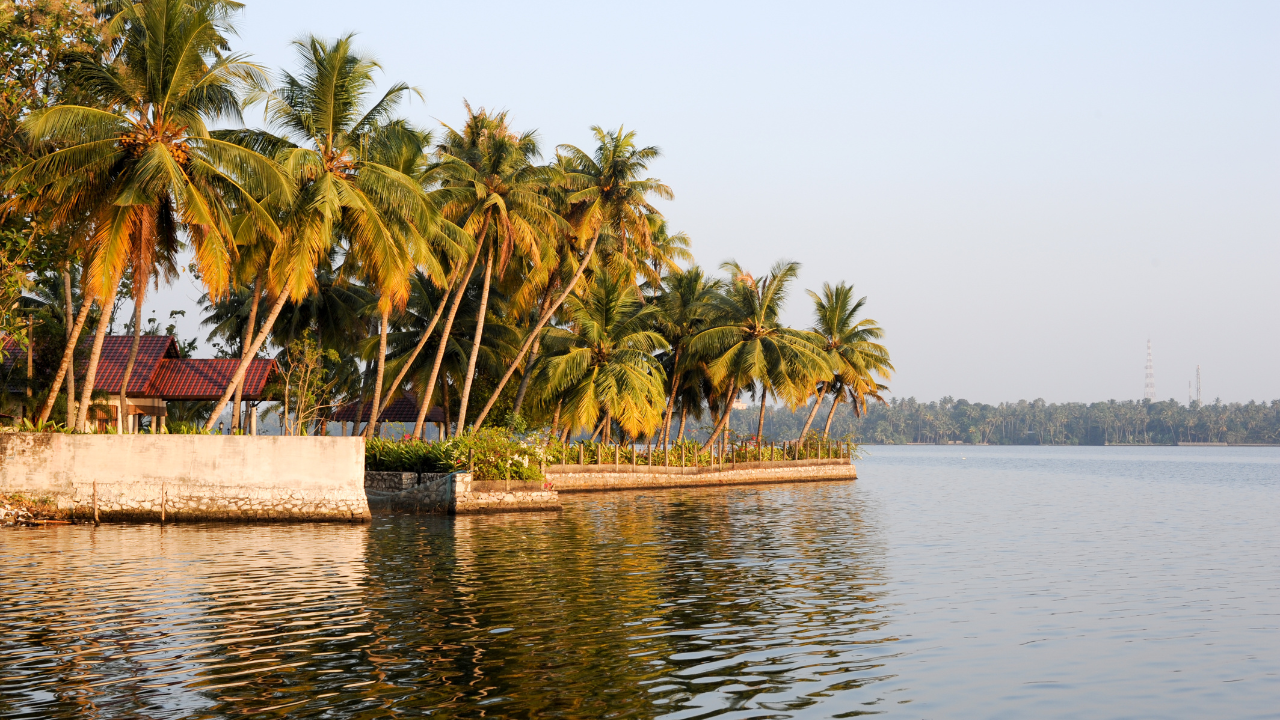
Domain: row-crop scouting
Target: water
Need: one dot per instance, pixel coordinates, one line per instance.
(947, 582)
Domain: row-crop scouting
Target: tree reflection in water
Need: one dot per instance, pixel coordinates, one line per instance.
(680, 603)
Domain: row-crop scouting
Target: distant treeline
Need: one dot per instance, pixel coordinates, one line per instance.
(1032, 422)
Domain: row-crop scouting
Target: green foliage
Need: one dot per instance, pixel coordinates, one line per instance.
(48, 426)
(385, 455)
(492, 453)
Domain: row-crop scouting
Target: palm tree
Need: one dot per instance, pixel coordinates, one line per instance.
(684, 309)
(614, 200)
(143, 166)
(335, 151)
(854, 356)
(749, 345)
(492, 189)
(604, 363)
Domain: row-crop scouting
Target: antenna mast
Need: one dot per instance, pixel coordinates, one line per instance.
(1198, 400)
(1150, 392)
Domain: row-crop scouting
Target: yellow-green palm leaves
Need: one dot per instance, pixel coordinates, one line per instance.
(604, 362)
(750, 345)
(849, 342)
(143, 165)
(613, 197)
(341, 157)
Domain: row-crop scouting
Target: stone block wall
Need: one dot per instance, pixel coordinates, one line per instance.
(189, 477)
(595, 478)
(458, 494)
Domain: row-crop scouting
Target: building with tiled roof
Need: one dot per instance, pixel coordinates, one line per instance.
(160, 374)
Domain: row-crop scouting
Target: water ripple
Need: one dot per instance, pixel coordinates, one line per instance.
(1011, 586)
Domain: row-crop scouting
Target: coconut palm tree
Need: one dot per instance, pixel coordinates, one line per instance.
(143, 166)
(335, 149)
(613, 196)
(604, 362)
(684, 310)
(748, 344)
(493, 189)
(849, 342)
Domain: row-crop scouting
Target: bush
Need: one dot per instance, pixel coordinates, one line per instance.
(406, 456)
(494, 454)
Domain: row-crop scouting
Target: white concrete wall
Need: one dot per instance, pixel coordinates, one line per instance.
(194, 477)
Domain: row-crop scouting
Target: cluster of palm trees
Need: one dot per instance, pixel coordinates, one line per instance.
(457, 266)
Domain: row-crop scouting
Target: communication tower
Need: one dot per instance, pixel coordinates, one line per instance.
(1150, 393)
(1198, 400)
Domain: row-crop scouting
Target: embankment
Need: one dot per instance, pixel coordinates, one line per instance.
(598, 478)
(188, 477)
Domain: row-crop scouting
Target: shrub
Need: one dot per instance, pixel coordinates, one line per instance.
(493, 453)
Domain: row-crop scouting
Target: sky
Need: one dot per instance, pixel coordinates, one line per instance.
(1025, 192)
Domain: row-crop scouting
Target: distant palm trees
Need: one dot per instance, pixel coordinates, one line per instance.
(386, 243)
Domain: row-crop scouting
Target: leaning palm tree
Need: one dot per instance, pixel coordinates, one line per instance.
(684, 310)
(143, 167)
(602, 369)
(493, 189)
(849, 342)
(749, 345)
(331, 145)
(614, 200)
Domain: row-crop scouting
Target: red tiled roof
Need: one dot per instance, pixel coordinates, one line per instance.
(189, 379)
(402, 409)
(152, 349)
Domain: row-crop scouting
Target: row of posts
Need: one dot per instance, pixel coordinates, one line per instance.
(797, 450)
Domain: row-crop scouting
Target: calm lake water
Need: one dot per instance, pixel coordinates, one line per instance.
(946, 583)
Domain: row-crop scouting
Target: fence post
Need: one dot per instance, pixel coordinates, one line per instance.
(581, 457)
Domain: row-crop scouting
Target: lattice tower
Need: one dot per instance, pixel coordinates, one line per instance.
(1150, 392)
(1198, 400)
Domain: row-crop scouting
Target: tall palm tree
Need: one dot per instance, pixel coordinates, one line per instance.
(684, 310)
(749, 345)
(849, 342)
(493, 190)
(334, 150)
(143, 166)
(604, 361)
(609, 186)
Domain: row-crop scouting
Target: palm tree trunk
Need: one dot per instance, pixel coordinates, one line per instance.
(684, 412)
(244, 348)
(422, 342)
(475, 342)
(99, 336)
(244, 361)
(526, 376)
(835, 402)
(376, 407)
(542, 322)
(463, 280)
(724, 419)
(671, 397)
(817, 403)
(764, 397)
(139, 294)
(71, 376)
(64, 369)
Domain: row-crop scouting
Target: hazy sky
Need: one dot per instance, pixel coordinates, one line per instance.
(1026, 192)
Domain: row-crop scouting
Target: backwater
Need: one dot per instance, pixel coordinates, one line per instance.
(946, 582)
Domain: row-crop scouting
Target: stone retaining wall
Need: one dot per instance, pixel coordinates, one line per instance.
(456, 494)
(188, 477)
(596, 478)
